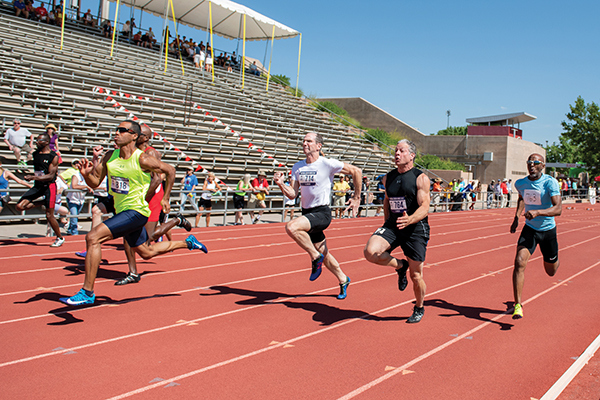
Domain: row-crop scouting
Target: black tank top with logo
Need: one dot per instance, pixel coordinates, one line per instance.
(41, 165)
(401, 190)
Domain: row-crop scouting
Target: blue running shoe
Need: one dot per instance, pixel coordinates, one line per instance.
(81, 254)
(194, 244)
(80, 299)
(316, 267)
(343, 289)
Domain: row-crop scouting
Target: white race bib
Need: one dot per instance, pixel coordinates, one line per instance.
(532, 197)
(397, 205)
(307, 178)
(119, 185)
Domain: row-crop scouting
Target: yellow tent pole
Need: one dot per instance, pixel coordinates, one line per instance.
(166, 46)
(212, 48)
(112, 45)
(298, 76)
(244, 53)
(177, 35)
(62, 29)
(270, 58)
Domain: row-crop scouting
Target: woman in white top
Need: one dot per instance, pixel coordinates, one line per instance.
(208, 65)
(205, 203)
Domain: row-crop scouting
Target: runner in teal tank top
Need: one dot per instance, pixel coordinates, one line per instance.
(128, 170)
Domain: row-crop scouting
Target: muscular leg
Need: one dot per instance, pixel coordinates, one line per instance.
(518, 277)
(163, 229)
(551, 268)
(93, 241)
(377, 252)
(416, 275)
(53, 222)
(130, 254)
(330, 262)
(298, 229)
(147, 251)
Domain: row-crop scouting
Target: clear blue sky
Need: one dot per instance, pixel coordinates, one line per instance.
(418, 59)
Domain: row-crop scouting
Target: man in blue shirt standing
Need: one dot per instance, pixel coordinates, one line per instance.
(189, 183)
(539, 196)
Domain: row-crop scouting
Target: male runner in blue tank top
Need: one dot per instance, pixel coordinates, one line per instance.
(405, 207)
(539, 196)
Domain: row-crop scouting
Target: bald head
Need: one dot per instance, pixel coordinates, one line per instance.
(536, 156)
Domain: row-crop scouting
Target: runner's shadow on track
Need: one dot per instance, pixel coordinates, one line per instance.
(8, 242)
(323, 313)
(470, 312)
(64, 311)
(79, 269)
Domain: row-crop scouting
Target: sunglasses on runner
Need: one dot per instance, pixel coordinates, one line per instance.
(534, 162)
(123, 130)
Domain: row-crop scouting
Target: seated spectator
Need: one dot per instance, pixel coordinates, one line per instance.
(234, 60)
(145, 41)
(58, 11)
(228, 64)
(42, 13)
(126, 29)
(220, 61)
(30, 10)
(20, 9)
(151, 37)
(107, 28)
(187, 48)
(208, 65)
(87, 18)
(254, 69)
(51, 17)
(137, 38)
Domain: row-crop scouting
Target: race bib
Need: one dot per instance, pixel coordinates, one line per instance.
(398, 205)
(307, 178)
(119, 185)
(532, 197)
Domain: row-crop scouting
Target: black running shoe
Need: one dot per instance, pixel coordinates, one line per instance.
(130, 278)
(316, 267)
(402, 281)
(416, 315)
(183, 222)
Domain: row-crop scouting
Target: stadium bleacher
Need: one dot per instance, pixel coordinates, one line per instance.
(85, 93)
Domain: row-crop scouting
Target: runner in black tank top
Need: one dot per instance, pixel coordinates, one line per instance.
(405, 206)
(45, 164)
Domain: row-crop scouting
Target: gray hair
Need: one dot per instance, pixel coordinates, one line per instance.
(318, 137)
(412, 147)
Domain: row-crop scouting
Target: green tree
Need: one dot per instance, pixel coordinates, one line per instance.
(453, 131)
(583, 130)
(281, 79)
(429, 161)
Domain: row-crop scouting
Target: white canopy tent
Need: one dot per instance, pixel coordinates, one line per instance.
(226, 16)
(221, 17)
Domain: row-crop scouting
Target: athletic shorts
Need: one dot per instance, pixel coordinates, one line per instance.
(204, 203)
(238, 201)
(530, 238)
(128, 224)
(319, 218)
(46, 192)
(108, 201)
(414, 245)
(155, 206)
(339, 201)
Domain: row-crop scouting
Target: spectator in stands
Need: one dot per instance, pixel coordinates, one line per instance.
(137, 38)
(364, 190)
(198, 55)
(504, 189)
(5, 176)
(349, 193)
(260, 191)
(234, 60)
(227, 64)
(189, 183)
(435, 193)
(509, 191)
(30, 10)
(379, 195)
(87, 18)
(58, 11)
(126, 29)
(20, 9)
(220, 61)
(42, 13)
(107, 28)
(16, 139)
(205, 203)
(76, 200)
(254, 69)
(340, 189)
(208, 64)
(53, 134)
(51, 17)
(244, 186)
(145, 41)
(151, 37)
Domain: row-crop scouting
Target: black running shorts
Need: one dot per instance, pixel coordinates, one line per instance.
(413, 245)
(547, 240)
(319, 218)
(130, 225)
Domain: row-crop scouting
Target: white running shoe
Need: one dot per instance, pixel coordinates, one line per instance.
(58, 242)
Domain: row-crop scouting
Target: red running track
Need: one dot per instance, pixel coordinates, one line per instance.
(245, 322)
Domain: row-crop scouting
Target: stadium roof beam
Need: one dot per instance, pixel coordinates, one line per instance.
(504, 119)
